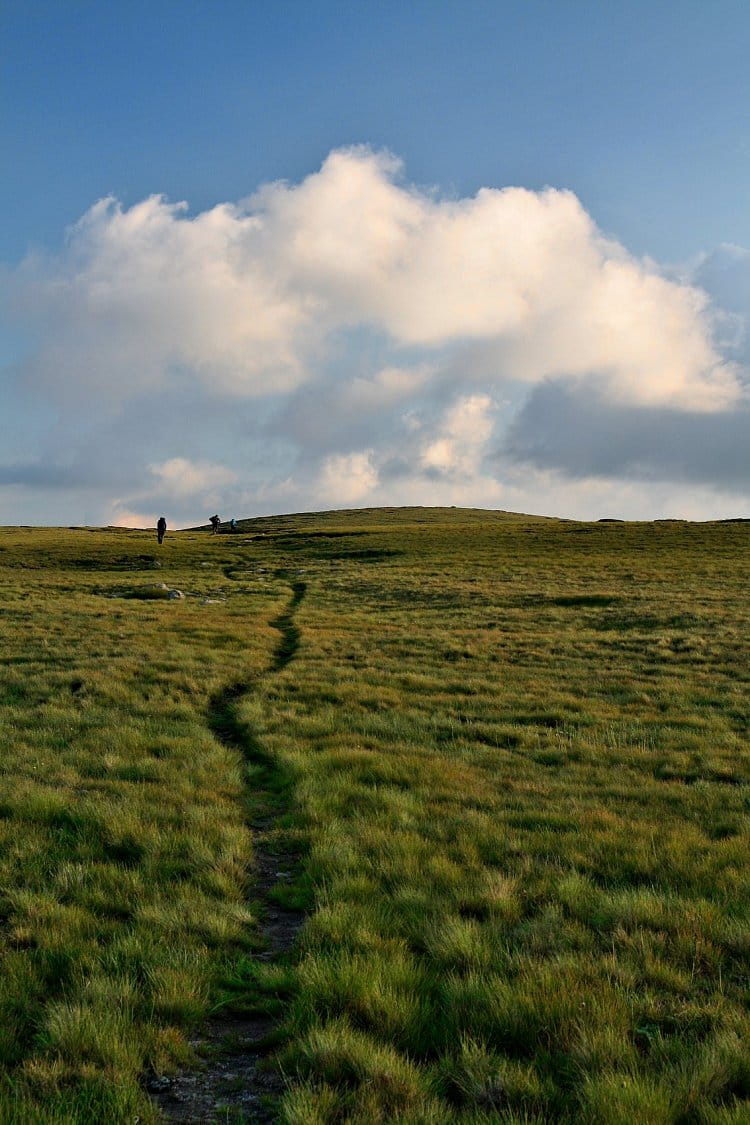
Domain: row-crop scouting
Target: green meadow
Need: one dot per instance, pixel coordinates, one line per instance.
(504, 760)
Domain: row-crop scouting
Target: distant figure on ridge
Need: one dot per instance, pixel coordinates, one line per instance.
(233, 524)
(215, 522)
(161, 529)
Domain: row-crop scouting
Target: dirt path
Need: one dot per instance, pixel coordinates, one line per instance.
(229, 1084)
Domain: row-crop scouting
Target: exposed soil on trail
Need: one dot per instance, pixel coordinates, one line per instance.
(230, 1084)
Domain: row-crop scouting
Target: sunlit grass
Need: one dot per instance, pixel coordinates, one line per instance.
(523, 754)
(512, 754)
(125, 848)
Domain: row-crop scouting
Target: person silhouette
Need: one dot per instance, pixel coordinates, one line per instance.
(161, 529)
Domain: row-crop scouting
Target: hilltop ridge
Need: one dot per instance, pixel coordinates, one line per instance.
(408, 514)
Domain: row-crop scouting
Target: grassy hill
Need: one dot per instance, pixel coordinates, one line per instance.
(500, 761)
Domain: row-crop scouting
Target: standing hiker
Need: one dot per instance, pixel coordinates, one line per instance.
(215, 522)
(161, 529)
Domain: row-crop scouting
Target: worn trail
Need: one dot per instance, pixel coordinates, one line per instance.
(230, 1084)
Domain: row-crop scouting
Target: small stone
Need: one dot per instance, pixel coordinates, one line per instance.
(173, 595)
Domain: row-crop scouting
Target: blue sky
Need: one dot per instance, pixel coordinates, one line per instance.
(641, 110)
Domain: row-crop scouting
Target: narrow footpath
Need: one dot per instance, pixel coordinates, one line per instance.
(229, 1084)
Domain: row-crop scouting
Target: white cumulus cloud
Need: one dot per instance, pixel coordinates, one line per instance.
(354, 339)
(178, 477)
(347, 479)
(244, 298)
(461, 437)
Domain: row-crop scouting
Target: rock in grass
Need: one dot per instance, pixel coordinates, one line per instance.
(173, 595)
